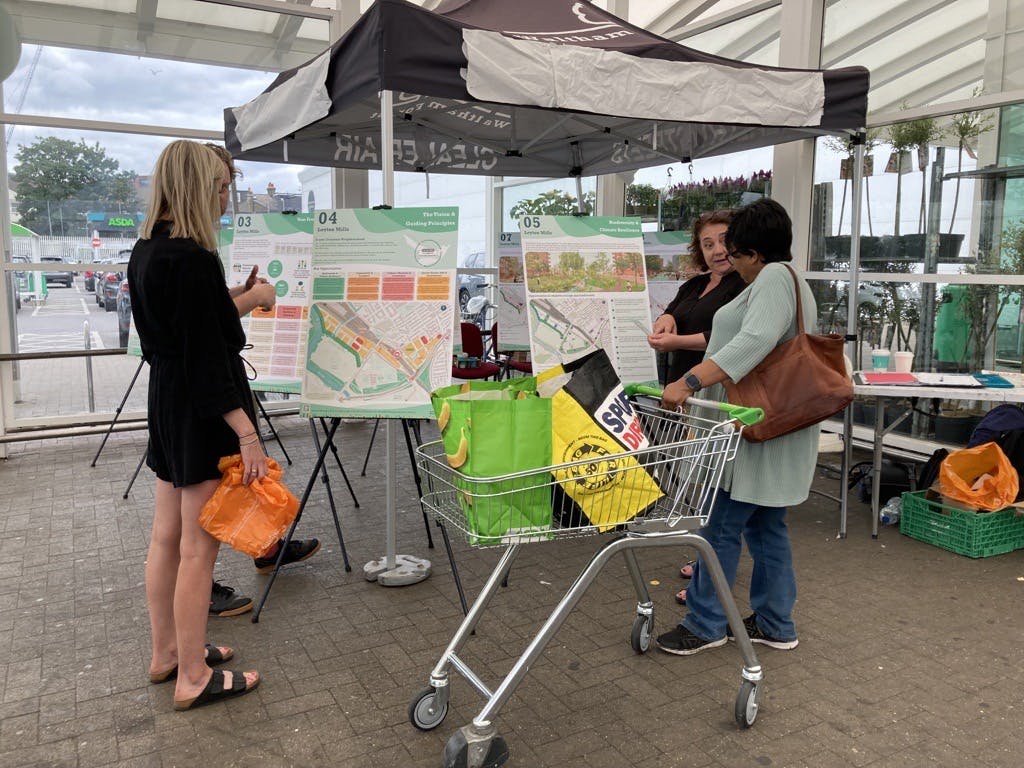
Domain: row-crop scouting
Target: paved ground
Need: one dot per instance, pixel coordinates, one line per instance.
(909, 655)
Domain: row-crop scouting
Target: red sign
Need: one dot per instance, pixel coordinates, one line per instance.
(95, 242)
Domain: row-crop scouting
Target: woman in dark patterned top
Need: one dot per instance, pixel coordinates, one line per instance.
(684, 329)
(200, 409)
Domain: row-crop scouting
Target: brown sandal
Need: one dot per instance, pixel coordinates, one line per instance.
(214, 655)
(215, 691)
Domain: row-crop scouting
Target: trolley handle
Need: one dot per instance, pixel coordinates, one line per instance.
(743, 414)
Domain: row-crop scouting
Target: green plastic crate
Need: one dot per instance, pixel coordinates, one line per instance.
(975, 534)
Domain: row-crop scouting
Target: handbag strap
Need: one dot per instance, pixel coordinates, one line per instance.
(799, 302)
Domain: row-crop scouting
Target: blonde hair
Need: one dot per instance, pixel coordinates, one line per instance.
(185, 186)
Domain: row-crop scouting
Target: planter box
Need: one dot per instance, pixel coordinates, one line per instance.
(876, 252)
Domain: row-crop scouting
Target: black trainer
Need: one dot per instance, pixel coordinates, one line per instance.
(756, 635)
(682, 642)
(224, 601)
(298, 550)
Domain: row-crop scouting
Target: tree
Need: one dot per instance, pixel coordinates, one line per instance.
(569, 262)
(965, 127)
(58, 180)
(552, 203)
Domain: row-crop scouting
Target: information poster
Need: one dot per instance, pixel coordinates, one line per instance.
(383, 311)
(280, 246)
(586, 288)
(667, 255)
(513, 328)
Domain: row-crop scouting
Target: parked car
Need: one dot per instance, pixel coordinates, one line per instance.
(17, 280)
(472, 285)
(90, 278)
(124, 313)
(55, 274)
(108, 284)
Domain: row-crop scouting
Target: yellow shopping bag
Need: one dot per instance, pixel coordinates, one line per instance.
(594, 423)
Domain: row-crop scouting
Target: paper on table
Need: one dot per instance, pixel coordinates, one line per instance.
(947, 380)
(900, 379)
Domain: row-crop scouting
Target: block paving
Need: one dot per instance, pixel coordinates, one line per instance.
(909, 655)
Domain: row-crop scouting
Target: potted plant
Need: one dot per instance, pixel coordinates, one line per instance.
(837, 247)
(966, 127)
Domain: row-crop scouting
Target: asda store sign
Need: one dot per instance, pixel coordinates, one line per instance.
(120, 221)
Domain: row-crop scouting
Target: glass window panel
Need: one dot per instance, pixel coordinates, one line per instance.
(53, 314)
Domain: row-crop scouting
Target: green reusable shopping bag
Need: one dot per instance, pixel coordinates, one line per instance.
(491, 429)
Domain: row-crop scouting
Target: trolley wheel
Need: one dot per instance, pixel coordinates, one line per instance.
(490, 753)
(747, 702)
(424, 712)
(640, 637)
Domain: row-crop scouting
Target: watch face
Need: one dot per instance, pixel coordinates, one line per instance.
(692, 381)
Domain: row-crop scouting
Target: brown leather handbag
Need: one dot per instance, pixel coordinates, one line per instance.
(799, 383)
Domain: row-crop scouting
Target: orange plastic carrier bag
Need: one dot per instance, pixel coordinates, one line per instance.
(981, 477)
(249, 517)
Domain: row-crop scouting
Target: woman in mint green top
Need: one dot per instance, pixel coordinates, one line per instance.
(767, 477)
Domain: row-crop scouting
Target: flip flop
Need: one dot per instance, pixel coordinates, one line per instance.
(690, 565)
(681, 597)
(214, 690)
(213, 656)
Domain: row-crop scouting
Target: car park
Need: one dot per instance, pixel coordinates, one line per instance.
(55, 274)
(108, 284)
(124, 313)
(90, 277)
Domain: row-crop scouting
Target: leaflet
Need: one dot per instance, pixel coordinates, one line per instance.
(383, 311)
(586, 289)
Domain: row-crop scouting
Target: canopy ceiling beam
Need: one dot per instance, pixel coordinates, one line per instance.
(146, 12)
(901, 16)
(679, 14)
(110, 32)
(929, 51)
(969, 75)
(287, 29)
(746, 45)
(681, 33)
(290, 7)
(880, 118)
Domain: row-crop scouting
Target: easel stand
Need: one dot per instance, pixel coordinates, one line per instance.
(277, 437)
(407, 424)
(117, 415)
(394, 570)
(318, 469)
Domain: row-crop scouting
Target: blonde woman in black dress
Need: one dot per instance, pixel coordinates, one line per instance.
(200, 409)
(685, 327)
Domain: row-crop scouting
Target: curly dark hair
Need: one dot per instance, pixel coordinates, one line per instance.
(723, 216)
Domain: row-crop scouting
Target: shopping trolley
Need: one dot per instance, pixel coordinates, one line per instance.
(686, 456)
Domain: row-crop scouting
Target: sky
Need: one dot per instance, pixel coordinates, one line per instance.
(111, 87)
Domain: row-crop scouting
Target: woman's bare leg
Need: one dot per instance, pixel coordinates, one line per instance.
(192, 594)
(162, 574)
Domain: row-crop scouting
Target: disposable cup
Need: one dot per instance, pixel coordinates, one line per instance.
(880, 359)
(902, 362)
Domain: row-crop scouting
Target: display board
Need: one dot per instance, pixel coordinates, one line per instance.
(586, 288)
(513, 328)
(280, 246)
(382, 313)
(667, 257)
